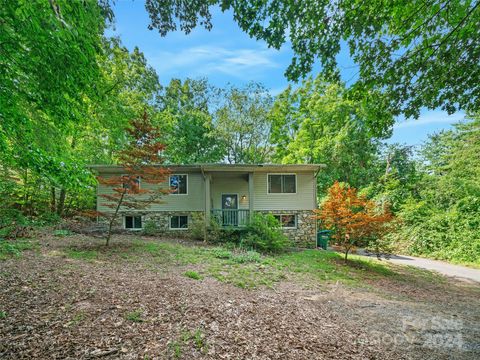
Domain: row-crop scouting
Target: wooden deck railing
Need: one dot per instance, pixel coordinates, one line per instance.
(231, 217)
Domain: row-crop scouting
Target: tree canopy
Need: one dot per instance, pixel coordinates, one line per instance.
(411, 54)
(317, 123)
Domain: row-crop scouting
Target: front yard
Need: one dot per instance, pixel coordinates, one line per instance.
(144, 298)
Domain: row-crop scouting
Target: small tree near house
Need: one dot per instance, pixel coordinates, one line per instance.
(355, 220)
(140, 160)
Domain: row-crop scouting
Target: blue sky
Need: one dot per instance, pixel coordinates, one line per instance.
(227, 55)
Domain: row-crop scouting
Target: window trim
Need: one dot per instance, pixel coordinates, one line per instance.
(179, 228)
(169, 176)
(288, 227)
(282, 193)
(132, 229)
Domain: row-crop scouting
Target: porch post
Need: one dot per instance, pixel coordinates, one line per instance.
(250, 195)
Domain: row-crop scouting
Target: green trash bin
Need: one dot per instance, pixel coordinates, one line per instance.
(322, 238)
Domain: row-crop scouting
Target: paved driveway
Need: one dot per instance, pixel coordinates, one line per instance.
(456, 271)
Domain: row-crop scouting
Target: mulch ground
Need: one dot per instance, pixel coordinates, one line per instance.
(59, 308)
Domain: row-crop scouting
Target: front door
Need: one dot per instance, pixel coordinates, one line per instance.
(229, 209)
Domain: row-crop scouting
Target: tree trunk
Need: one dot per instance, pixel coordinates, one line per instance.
(112, 220)
(63, 192)
(23, 206)
(53, 205)
(387, 167)
(61, 202)
(347, 249)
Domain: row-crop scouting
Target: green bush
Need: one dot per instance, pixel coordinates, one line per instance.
(216, 234)
(197, 227)
(47, 218)
(13, 248)
(11, 220)
(438, 233)
(265, 235)
(150, 227)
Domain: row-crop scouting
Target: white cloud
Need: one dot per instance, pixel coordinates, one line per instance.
(205, 60)
(432, 117)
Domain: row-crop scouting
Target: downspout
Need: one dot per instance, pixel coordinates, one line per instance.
(315, 189)
(204, 204)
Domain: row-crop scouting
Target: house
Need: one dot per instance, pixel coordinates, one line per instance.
(229, 194)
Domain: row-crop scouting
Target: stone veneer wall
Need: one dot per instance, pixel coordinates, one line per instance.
(305, 235)
(162, 220)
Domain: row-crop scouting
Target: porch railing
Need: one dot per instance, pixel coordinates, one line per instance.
(231, 217)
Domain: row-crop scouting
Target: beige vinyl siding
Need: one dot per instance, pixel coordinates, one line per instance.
(193, 201)
(304, 199)
(229, 184)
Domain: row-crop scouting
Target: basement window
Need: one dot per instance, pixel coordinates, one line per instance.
(133, 222)
(179, 222)
(287, 221)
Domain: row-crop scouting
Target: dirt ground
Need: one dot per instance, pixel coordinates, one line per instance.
(56, 307)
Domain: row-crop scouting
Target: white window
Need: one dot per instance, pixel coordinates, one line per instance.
(282, 183)
(179, 222)
(178, 184)
(133, 222)
(287, 221)
(128, 181)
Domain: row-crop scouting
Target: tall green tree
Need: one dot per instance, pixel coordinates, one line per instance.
(66, 94)
(49, 61)
(442, 219)
(243, 124)
(317, 123)
(396, 175)
(187, 122)
(48, 68)
(417, 53)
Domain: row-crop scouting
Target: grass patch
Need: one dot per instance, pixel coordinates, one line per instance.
(62, 232)
(221, 253)
(176, 349)
(77, 319)
(78, 254)
(171, 253)
(193, 275)
(3, 315)
(372, 266)
(199, 340)
(250, 269)
(135, 316)
(408, 273)
(14, 248)
(236, 255)
(317, 265)
(246, 276)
